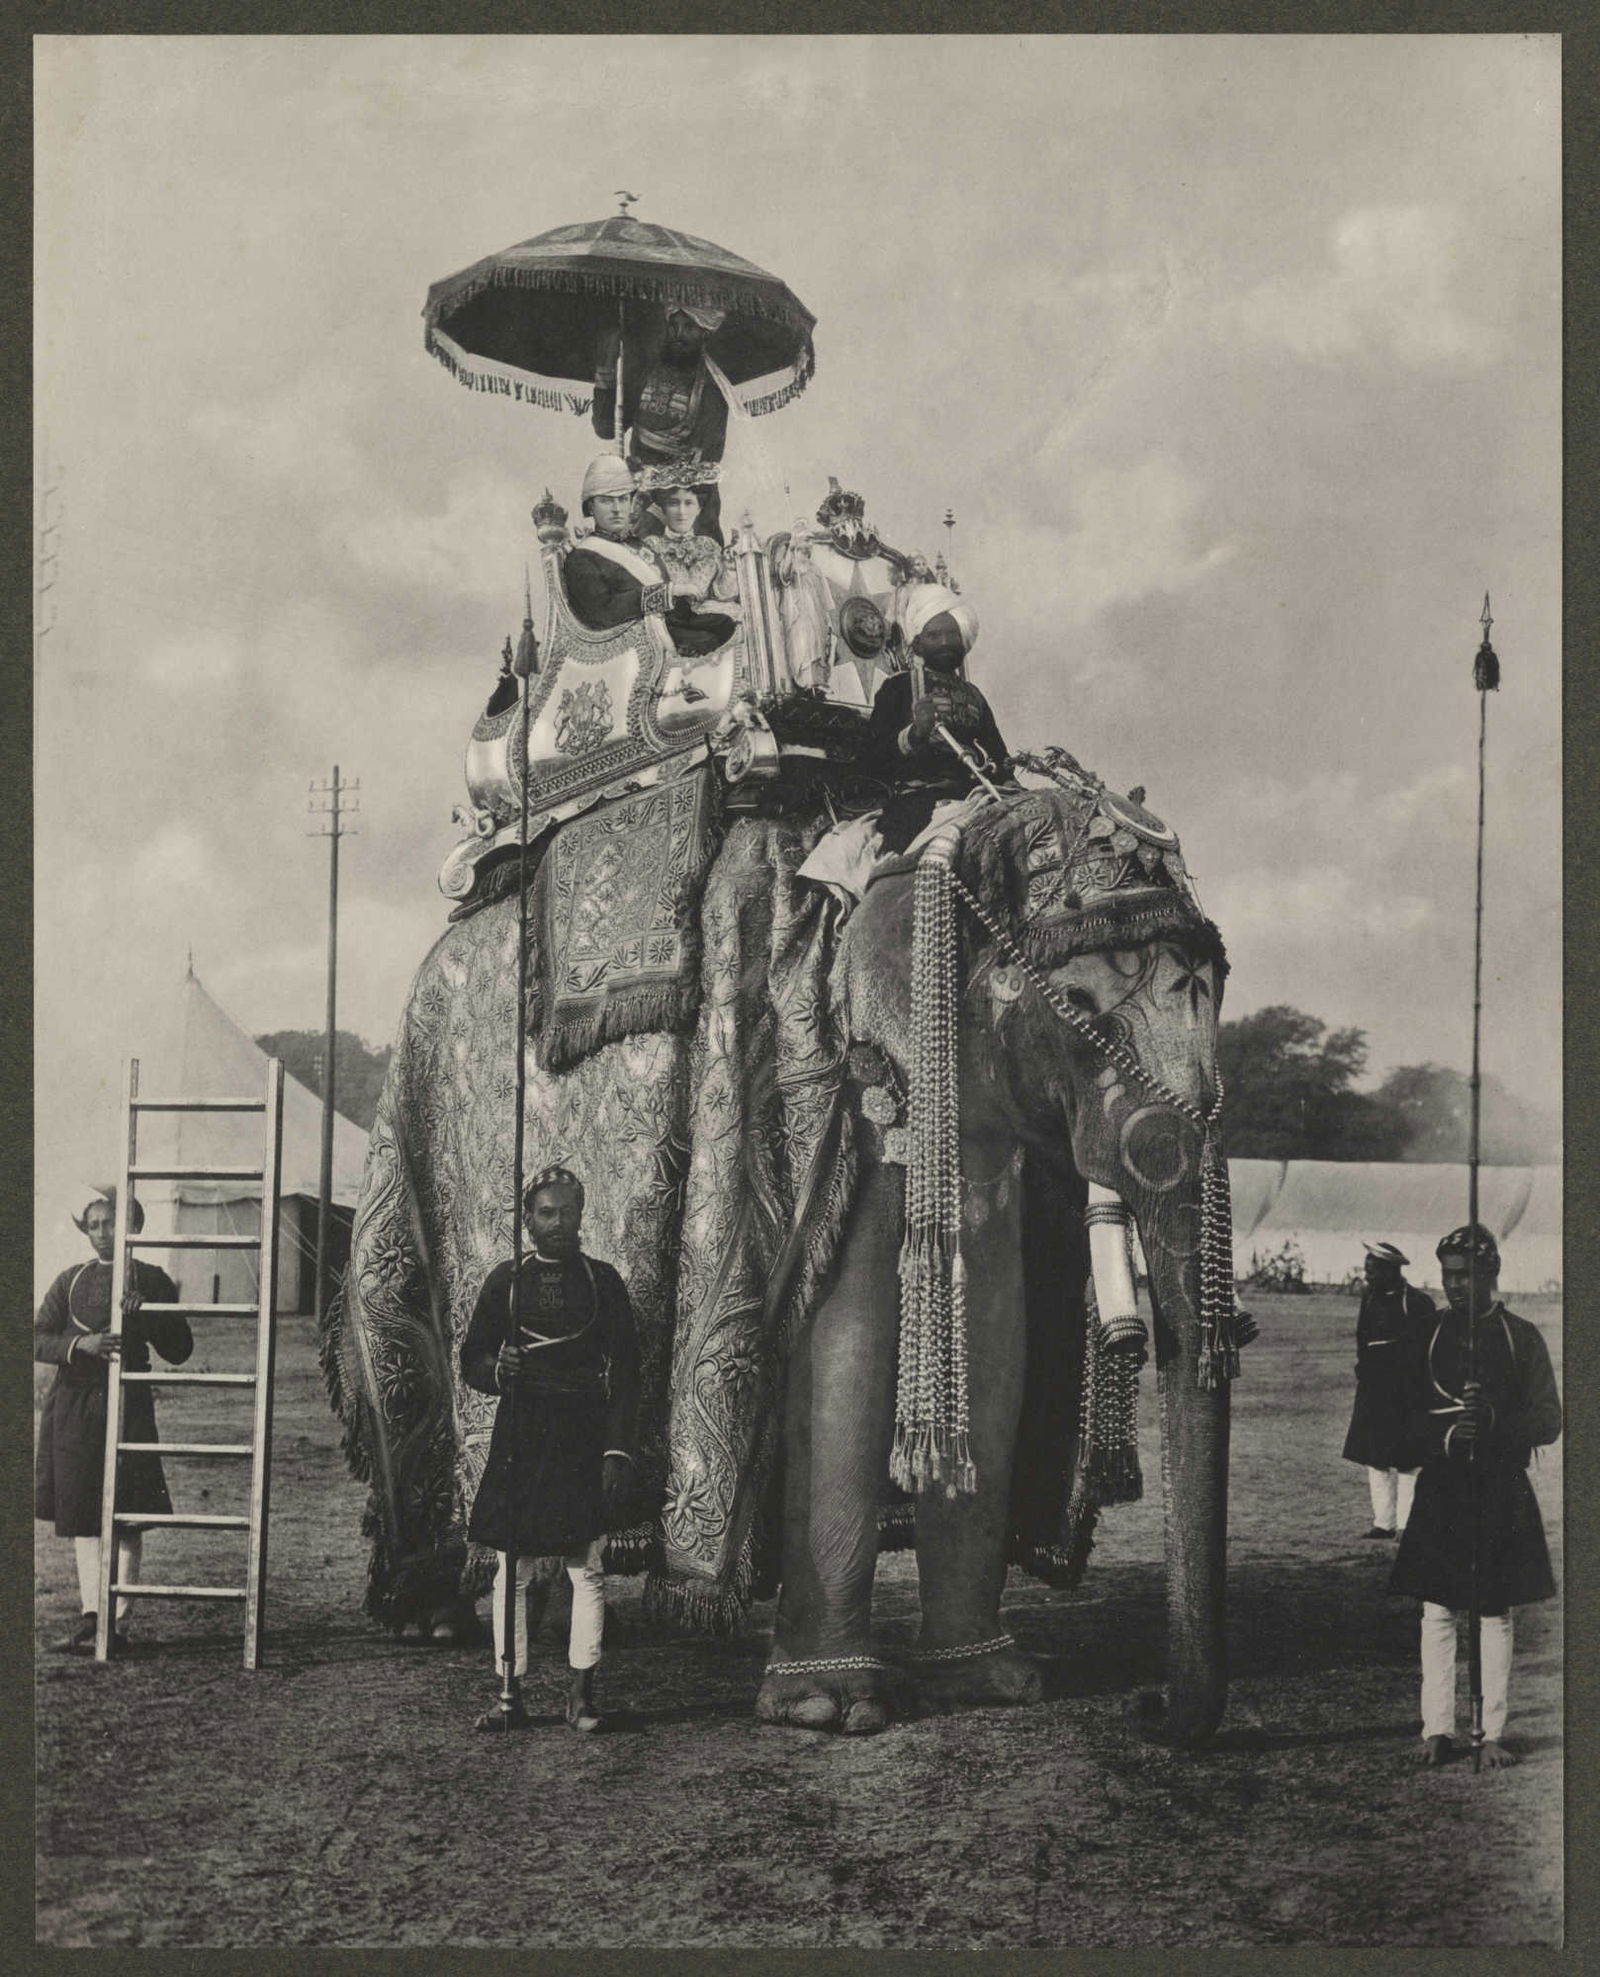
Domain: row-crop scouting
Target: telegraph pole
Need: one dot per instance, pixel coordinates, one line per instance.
(335, 810)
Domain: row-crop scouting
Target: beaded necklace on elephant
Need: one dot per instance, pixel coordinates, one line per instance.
(1218, 1358)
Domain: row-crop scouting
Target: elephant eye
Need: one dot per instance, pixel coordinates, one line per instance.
(1081, 999)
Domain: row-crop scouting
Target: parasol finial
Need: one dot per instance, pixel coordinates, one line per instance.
(628, 199)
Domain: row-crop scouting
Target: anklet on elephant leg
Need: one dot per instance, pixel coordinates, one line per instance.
(835, 1664)
(966, 1653)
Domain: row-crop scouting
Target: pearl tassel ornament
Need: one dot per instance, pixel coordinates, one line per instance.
(932, 1436)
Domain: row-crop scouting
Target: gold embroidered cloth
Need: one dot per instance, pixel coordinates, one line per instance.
(619, 893)
(693, 1150)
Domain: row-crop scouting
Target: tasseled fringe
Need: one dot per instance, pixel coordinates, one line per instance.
(636, 1549)
(549, 394)
(1109, 1422)
(1218, 1359)
(565, 1042)
(932, 1446)
(695, 1605)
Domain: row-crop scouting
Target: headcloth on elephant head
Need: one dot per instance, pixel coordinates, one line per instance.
(1077, 870)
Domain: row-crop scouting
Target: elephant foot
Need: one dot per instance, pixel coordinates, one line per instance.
(848, 1694)
(1181, 1726)
(978, 1675)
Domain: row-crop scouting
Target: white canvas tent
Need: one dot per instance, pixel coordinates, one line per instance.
(213, 1058)
(1328, 1208)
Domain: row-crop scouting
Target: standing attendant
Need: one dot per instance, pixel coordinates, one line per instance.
(72, 1332)
(1394, 1326)
(1476, 1436)
(571, 1374)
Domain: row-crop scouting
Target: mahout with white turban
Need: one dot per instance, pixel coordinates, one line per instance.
(927, 601)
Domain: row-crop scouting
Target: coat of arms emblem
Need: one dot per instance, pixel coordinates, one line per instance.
(583, 719)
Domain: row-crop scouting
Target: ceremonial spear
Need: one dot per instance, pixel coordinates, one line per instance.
(1486, 679)
(512, 1712)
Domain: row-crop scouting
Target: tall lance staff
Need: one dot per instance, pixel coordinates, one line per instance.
(510, 1712)
(1486, 680)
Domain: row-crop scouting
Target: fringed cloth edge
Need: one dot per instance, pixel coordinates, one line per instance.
(560, 1044)
(756, 397)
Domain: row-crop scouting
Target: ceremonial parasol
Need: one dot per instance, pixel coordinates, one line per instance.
(541, 308)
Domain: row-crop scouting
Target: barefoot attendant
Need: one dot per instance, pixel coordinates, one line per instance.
(562, 1450)
(72, 1333)
(1490, 1424)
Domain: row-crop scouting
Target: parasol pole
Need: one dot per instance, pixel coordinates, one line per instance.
(1486, 679)
(511, 1710)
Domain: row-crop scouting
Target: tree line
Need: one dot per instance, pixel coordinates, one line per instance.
(1291, 1096)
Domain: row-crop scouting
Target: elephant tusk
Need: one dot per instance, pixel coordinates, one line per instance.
(1111, 1263)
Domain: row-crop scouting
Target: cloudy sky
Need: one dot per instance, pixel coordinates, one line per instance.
(1236, 357)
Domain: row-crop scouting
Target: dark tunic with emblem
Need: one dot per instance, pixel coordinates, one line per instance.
(69, 1471)
(1434, 1561)
(576, 1399)
(931, 774)
(1392, 1333)
(674, 415)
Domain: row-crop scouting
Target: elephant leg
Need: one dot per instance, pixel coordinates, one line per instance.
(962, 1541)
(839, 1418)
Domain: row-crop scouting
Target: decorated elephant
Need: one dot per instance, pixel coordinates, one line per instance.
(843, 1163)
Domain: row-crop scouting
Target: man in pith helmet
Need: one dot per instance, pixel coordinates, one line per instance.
(1480, 1400)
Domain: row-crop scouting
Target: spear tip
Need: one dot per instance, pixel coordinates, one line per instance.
(1486, 662)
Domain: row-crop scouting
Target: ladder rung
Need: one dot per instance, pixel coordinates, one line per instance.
(205, 1241)
(187, 1448)
(195, 1174)
(181, 1592)
(203, 1310)
(190, 1379)
(199, 1105)
(184, 1519)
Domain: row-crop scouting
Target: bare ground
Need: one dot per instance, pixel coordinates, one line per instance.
(338, 1797)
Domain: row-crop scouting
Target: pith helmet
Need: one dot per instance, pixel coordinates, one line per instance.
(608, 473)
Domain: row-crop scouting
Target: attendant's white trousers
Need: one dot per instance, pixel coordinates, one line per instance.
(1392, 1491)
(1439, 1671)
(588, 1578)
(130, 1550)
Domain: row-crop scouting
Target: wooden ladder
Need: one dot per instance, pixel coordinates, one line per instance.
(258, 1449)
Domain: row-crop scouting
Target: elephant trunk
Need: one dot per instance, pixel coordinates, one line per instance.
(1194, 1464)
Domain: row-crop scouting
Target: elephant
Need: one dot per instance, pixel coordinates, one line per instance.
(751, 1151)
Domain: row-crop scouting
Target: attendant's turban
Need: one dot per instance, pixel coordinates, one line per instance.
(1471, 1239)
(710, 320)
(554, 1176)
(926, 601)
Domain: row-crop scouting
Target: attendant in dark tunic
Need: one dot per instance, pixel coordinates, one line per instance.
(610, 577)
(72, 1333)
(902, 746)
(1475, 1424)
(673, 411)
(571, 1373)
(1392, 1330)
